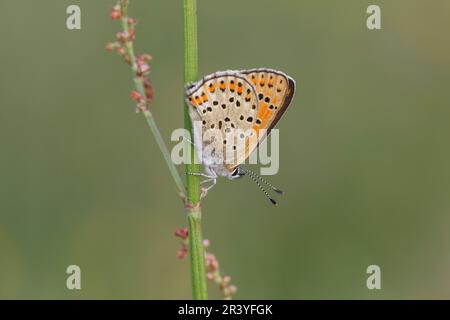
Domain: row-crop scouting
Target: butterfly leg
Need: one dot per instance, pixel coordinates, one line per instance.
(205, 190)
(207, 180)
(204, 175)
(210, 176)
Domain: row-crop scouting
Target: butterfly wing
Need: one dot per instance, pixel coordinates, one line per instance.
(274, 91)
(250, 102)
(225, 102)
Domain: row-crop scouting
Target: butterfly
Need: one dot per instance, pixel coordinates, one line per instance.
(232, 112)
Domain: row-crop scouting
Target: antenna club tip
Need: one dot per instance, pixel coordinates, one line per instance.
(279, 191)
(273, 202)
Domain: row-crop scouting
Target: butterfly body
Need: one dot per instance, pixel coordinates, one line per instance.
(232, 112)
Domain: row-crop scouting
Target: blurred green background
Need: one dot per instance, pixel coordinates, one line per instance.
(365, 157)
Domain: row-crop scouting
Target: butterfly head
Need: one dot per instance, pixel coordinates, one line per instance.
(237, 173)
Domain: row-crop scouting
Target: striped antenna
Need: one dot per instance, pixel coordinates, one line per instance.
(251, 175)
(256, 176)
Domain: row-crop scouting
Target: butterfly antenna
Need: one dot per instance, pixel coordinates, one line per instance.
(256, 176)
(261, 187)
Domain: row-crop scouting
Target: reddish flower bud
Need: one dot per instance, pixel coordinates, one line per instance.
(149, 93)
(120, 36)
(181, 233)
(136, 96)
(116, 13)
(131, 21)
(122, 51)
(144, 68)
(182, 253)
(131, 34)
(144, 58)
(111, 46)
(214, 265)
(127, 59)
(211, 262)
(232, 289)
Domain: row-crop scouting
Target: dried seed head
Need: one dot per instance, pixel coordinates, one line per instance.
(149, 92)
(131, 35)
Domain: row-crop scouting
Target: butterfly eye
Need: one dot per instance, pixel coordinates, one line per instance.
(237, 173)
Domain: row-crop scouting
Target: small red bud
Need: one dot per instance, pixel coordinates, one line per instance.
(115, 14)
(135, 96)
(181, 233)
(131, 34)
(182, 253)
(119, 36)
(144, 68)
(110, 46)
(149, 93)
(232, 289)
(214, 265)
(145, 58)
(122, 51)
(226, 280)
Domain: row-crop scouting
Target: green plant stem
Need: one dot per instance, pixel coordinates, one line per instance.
(162, 146)
(139, 84)
(194, 214)
(197, 255)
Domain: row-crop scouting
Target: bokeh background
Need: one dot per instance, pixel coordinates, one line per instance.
(365, 158)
